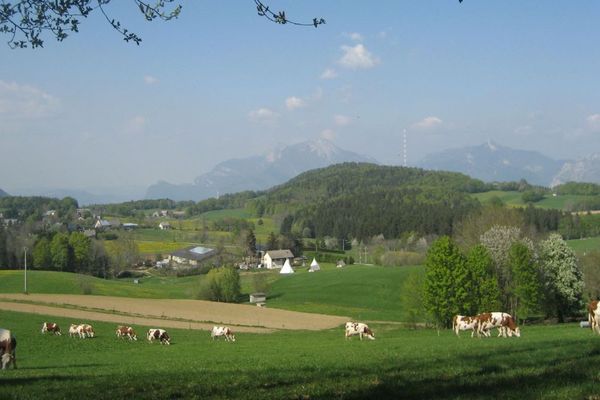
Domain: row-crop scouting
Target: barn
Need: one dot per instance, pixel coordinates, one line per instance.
(276, 258)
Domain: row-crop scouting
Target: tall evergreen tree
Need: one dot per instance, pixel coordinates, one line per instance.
(250, 243)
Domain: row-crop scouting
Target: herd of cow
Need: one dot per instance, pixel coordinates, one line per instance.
(8, 343)
(480, 324)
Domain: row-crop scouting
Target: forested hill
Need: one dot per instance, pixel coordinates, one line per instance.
(353, 178)
(361, 200)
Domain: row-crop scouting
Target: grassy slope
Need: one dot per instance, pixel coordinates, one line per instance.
(583, 245)
(547, 362)
(513, 199)
(362, 292)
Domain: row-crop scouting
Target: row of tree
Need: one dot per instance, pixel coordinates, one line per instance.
(504, 271)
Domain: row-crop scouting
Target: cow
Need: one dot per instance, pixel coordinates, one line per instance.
(218, 331)
(594, 315)
(74, 330)
(8, 346)
(504, 322)
(51, 327)
(464, 323)
(81, 330)
(158, 334)
(126, 332)
(360, 329)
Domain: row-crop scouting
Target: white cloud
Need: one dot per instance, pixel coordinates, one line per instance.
(524, 130)
(329, 73)
(428, 123)
(263, 115)
(357, 57)
(26, 102)
(150, 80)
(357, 37)
(342, 120)
(593, 122)
(328, 134)
(294, 102)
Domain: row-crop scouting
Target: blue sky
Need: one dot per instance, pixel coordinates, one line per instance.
(220, 82)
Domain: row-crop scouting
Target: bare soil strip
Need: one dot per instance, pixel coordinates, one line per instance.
(187, 314)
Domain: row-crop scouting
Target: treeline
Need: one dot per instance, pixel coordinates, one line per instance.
(34, 207)
(579, 188)
(131, 208)
(225, 202)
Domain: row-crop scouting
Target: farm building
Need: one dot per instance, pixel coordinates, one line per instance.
(276, 258)
(102, 224)
(164, 226)
(192, 255)
(129, 226)
(258, 298)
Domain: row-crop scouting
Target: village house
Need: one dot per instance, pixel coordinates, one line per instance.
(194, 255)
(164, 226)
(276, 258)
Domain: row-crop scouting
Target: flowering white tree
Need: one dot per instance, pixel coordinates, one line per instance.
(563, 277)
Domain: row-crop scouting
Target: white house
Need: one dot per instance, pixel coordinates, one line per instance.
(102, 224)
(164, 226)
(276, 258)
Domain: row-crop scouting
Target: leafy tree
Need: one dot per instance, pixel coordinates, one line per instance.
(525, 292)
(3, 249)
(447, 286)
(81, 246)
(485, 290)
(591, 273)
(62, 255)
(124, 253)
(42, 254)
(412, 298)
(563, 278)
(223, 284)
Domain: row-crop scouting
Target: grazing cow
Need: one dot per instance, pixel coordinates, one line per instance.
(51, 327)
(594, 315)
(160, 335)
(218, 331)
(464, 323)
(81, 330)
(126, 331)
(8, 346)
(360, 329)
(74, 330)
(504, 322)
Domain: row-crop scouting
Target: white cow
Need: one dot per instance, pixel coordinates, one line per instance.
(501, 320)
(218, 331)
(360, 329)
(81, 330)
(158, 334)
(464, 323)
(594, 315)
(8, 345)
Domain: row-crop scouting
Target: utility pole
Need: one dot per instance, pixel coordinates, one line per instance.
(25, 277)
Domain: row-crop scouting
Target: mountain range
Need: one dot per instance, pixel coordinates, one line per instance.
(257, 172)
(3, 193)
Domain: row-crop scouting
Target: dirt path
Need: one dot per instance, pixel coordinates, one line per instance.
(189, 314)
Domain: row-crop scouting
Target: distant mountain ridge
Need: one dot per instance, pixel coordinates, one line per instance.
(585, 169)
(3, 193)
(493, 162)
(257, 172)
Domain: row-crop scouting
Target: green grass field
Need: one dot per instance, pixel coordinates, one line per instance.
(547, 362)
(359, 291)
(584, 245)
(513, 199)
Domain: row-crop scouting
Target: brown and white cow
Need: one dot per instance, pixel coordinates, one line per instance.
(81, 330)
(360, 329)
(51, 327)
(465, 323)
(218, 331)
(158, 334)
(594, 315)
(8, 346)
(503, 321)
(126, 332)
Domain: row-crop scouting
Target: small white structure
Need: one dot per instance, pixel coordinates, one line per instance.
(340, 264)
(287, 268)
(164, 226)
(258, 297)
(314, 266)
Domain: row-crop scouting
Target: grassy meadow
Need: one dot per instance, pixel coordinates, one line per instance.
(513, 199)
(585, 245)
(547, 362)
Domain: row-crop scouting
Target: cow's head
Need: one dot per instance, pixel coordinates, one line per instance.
(6, 360)
(517, 332)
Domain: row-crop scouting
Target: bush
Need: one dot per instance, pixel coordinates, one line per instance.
(221, 284)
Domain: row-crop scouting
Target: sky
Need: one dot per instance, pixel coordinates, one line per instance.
(221, 82)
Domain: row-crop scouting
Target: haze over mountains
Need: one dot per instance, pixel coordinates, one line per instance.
(489, 162)
(258, 172)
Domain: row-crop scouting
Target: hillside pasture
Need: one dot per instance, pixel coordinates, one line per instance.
(513, 199)
(547, 362)
(585, 245)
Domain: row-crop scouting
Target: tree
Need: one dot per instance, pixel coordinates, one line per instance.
(525, 292)
(26, 21)
(591, 274)
(412, 298)
(42, 254)
(563, 279)
(485, 289)
(272, 242)
(222, 284)
(250, 243)
(81, 246)
(3, 248)
(447, 287)
(62, 254)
